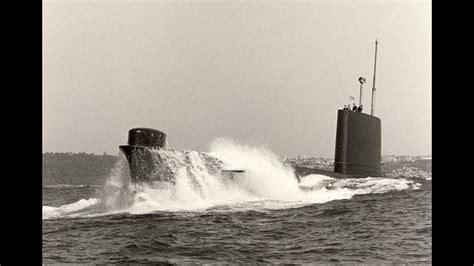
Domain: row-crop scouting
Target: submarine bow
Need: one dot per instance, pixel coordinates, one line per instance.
(150, 161)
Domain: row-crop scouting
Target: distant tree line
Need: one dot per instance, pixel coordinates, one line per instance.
(422, 164)
(76, 168)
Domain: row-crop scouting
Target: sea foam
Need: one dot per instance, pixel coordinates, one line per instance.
(266, 184)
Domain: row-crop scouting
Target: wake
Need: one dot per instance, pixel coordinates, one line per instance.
(266, 184)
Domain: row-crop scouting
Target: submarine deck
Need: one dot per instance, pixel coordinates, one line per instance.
(304, 171)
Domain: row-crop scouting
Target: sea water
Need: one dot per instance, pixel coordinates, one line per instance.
(263, 215)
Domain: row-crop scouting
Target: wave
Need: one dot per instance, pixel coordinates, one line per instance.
(61, 186)
(266, 184)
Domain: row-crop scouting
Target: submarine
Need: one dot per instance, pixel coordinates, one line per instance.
(357, 149)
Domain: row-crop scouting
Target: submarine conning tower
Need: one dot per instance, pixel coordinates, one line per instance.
(358, 138)
(358, 144)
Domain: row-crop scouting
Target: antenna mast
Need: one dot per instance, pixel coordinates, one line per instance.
(362, 81)
(372, 111)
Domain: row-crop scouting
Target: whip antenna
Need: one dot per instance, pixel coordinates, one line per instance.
(372, 110)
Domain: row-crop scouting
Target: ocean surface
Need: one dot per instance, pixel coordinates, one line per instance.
(261, 216)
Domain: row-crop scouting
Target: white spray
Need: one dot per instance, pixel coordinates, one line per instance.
(266, 183)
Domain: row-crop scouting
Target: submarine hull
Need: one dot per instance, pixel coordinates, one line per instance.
(304, 171)
(159, 165)
(143, 167)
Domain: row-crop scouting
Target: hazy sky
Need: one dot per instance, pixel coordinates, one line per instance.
(267, 73)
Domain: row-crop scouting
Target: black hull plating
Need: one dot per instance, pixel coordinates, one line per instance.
(148, 165)
(358, 144)
(141, 164)
(358, 148)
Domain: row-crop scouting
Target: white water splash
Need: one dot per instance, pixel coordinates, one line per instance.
(68, 209)
(265, 184)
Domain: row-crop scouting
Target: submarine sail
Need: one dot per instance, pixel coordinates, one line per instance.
(358, 144)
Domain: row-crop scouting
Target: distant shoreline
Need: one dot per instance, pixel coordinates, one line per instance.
(76, 168)
(80, 169)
